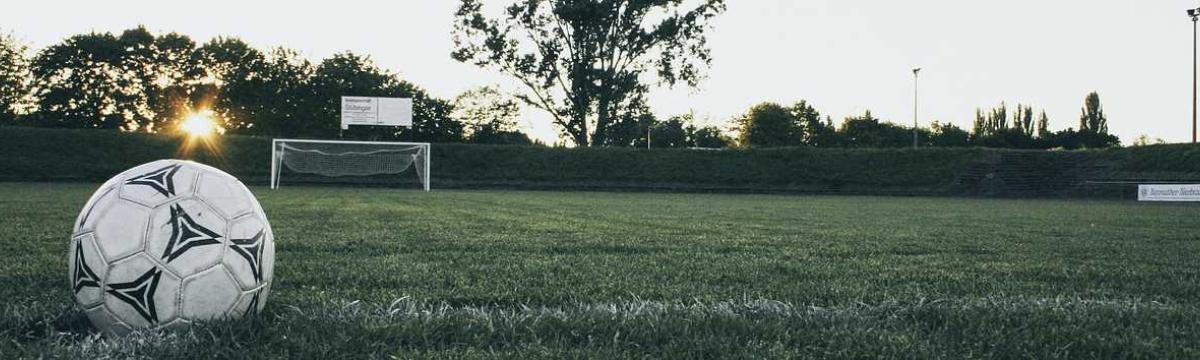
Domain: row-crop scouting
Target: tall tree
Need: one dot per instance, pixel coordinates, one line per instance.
(1043, 125)
(979, 127)
(998, 120)
(14, 79)
(79, 82)
(1093, 125)
(229, 81)
(583, 61)
(135, 81)
(1023, 120)
(1092, 118)
(809, 128)
(137, 68)
(171, 80)
(279, 95)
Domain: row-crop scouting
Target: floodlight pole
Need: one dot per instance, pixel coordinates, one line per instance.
(916, 71)
(1195, 14)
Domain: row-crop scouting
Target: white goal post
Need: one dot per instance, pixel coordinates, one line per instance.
(335, 158)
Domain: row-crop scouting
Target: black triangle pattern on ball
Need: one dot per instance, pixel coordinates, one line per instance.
(251, 250)
(139, 293)
(186, 234)
(83, 276)
(162, 180)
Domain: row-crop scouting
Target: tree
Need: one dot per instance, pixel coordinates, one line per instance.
(583, 61)
(673, 133)
(995, 129)
(230, 82)
(1043, 126)
(280, 94)
(869, 131)
(489, 117)
(1093, 125)
(431, 115)
(948, 135)
(135, 82)
(1093, 119)
(14, 79)
(810, 130)
(1023, 120)
(254, 92)
(139, 69)
(629, 128)
(78, 83)
(709, 137)
(171, 79)
(767, 125)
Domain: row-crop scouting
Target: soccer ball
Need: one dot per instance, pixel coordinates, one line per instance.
(168, 243)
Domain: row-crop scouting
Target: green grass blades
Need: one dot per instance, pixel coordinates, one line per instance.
(378, 273)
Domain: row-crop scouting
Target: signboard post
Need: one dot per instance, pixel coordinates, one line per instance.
(376, 111)
(1169, 193)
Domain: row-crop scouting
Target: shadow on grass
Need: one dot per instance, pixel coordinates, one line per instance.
(70, 325)
(74, 324)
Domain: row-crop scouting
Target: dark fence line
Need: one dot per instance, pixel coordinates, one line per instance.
(39, 154)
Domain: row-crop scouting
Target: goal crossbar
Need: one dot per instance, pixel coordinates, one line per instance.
(331, 153)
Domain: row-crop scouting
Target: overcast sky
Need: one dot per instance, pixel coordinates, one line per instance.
(843, 56)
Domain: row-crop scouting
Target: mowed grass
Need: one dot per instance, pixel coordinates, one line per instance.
(380, 273)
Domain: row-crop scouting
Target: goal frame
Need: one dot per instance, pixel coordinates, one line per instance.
(277, 155)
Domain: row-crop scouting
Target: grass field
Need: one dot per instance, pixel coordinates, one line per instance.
(480, 274)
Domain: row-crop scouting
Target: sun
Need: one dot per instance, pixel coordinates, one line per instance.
(199, 124)
(200, 129)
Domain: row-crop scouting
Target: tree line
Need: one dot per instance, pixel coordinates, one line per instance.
(772, 124)
(588, 64)
(141, 82)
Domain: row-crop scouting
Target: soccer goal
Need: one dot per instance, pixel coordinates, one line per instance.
(330, 158)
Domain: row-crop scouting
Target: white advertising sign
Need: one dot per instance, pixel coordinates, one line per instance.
(377, 111)
(1176, 192)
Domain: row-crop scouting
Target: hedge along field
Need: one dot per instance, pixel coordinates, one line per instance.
(37, 154)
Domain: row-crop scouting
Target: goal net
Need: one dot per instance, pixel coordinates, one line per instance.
(341, 159)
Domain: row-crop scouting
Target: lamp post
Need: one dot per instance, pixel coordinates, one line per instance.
(1195, 15)
(916, 71)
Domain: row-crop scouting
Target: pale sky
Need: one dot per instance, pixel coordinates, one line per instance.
(843, 56)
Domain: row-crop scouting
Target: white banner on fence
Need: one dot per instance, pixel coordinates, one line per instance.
(378, 111)
(1174, 192)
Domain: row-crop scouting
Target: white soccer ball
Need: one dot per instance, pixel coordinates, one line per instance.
(168, 243)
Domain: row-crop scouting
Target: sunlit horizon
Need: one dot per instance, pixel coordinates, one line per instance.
(843, 57)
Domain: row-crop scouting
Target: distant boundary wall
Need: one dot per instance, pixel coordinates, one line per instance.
(40, 154)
